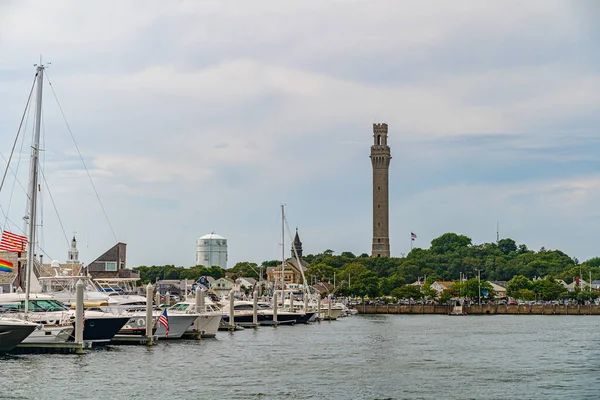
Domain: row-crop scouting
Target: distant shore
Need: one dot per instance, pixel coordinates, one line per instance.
(522, 309)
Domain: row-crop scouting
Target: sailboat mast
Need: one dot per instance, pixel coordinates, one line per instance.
(33, 183)
(282, 257)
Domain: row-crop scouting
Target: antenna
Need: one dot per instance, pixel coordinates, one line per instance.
(497, 231)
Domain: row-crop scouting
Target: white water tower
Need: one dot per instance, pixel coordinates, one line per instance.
(211, 250)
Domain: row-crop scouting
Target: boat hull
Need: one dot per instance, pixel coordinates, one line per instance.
(206, 325)
(12, 335)
(103, 329)
(51, 334)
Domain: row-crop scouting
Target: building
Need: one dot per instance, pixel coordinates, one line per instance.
(10, 280)
(111, 264)
(380, 159)
(73, 257)
(222, 286)
(246, 283)
(440, 286)
(499, 290)
(292, 273)
(211, 250)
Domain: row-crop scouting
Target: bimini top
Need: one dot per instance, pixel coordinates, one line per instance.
(212, 236)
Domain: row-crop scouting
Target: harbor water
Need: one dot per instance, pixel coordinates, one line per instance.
(359, 357)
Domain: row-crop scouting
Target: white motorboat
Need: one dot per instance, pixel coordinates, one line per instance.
(207, 324)
(58, 319)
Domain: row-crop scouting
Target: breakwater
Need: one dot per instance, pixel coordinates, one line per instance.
(522, 309)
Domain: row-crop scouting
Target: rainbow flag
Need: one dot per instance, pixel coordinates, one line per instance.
(6, 266)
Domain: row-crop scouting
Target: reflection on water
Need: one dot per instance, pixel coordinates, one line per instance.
(360, 357)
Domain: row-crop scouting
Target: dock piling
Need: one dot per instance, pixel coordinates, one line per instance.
(275, 307)
(79, 322)
(255, 308)
(231, 310)
(319, 307)
(149, 291)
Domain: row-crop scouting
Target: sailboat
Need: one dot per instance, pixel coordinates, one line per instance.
(54, 327)
(299, 315)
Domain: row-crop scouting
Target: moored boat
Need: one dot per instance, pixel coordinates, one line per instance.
(13, 331)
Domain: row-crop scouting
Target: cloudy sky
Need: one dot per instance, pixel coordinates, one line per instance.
(200, 116)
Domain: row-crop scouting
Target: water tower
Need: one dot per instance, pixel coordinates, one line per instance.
(211, 250)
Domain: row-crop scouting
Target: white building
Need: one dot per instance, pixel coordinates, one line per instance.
(73, 253)
(211, 250)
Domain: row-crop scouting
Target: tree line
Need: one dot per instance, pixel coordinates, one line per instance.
(449, 257)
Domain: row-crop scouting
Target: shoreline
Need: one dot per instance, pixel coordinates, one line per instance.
(522, 309)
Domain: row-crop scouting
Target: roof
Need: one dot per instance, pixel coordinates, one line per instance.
(323, 287)
(225, 279)
(294, 263)
(212, 236)
(251, 281)
(496, 287)
(445, 283)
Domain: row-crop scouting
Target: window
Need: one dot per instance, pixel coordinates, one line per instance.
(110, 266)
(206, 242)
(378, 187)
(379, 140)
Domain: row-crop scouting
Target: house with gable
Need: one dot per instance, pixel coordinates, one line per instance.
(222, 286)
(440, 286)
(292, 271)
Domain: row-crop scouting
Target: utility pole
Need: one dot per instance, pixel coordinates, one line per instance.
(479, 279)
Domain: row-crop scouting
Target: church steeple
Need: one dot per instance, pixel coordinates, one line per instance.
(73, 253)
(298, 245)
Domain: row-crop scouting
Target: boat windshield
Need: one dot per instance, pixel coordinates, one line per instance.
(179, 307)
(34, 306)
(45, 305)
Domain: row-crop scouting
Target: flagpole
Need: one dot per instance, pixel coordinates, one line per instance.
(411, 240)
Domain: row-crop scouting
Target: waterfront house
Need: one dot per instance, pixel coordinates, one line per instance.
(222, 286)
(323, 288)
(499, 291)
(596, 284)
(246, 283)
(9, 280)
(577, 284)
(440, 286)
(111, 264)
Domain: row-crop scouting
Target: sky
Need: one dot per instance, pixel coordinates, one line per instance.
(205, 116)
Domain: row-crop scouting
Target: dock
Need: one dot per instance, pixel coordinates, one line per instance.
(51, 348)
(191, 335)
(134, 340)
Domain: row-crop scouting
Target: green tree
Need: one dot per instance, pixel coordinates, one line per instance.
(507, 245)
(449, 242)
(548, 289)
(516, 284)
(407, 292)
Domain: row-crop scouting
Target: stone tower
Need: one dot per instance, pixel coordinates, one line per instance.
(380, 159)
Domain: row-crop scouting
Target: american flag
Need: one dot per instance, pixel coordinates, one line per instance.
(12, 242)
(413, 236)
(164, 319)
